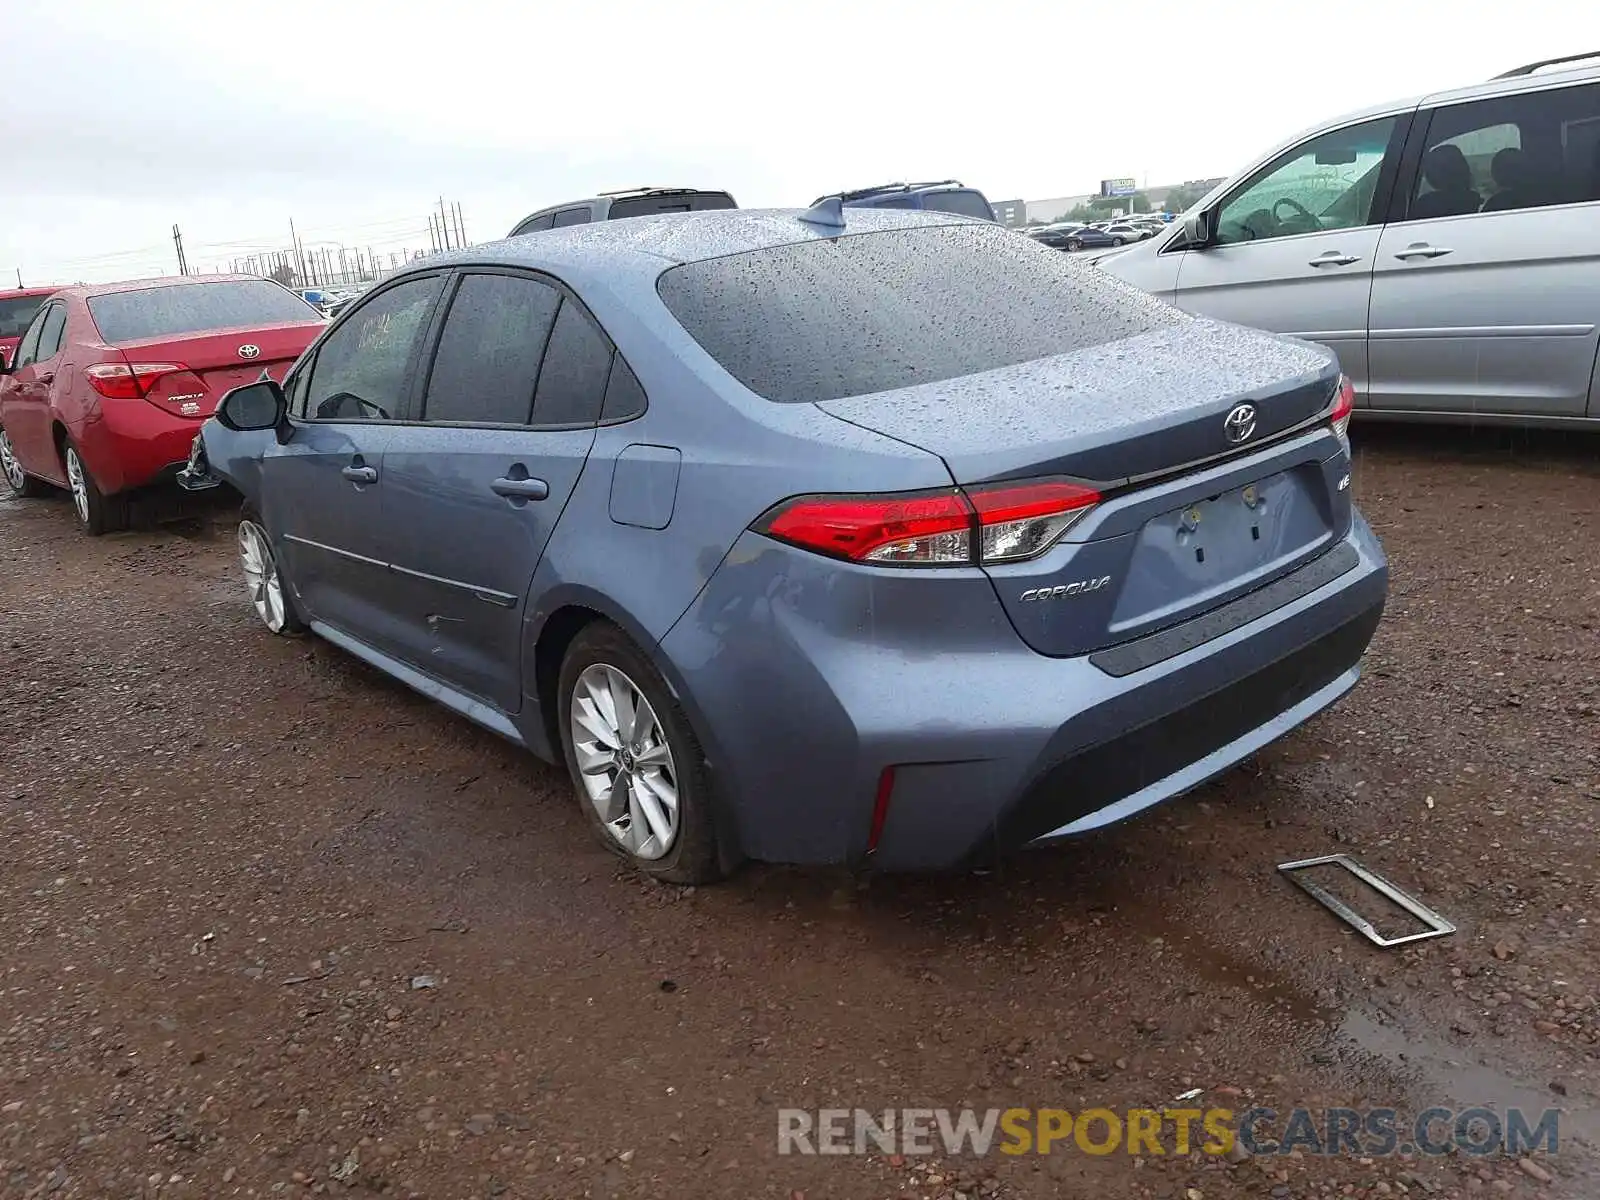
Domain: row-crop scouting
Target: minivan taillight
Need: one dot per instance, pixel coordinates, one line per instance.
(128, 381)
(1008, 522)
(1344, 404)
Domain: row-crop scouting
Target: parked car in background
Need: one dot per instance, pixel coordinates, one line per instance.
(1440, 247)
(17, 308)
(613, 206)
(110, 383)
(1089, 237)
(1055, 236)
(946, 195)
(635, 497)
(1122, 232)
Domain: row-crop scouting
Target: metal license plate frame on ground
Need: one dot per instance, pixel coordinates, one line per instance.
(1438, 926)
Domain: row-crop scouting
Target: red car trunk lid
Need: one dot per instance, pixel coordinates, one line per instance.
(217, 361)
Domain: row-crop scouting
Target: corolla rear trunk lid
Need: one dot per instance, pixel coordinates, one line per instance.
(1208, 443)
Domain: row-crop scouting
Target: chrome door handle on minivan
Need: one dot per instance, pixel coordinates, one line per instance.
(1334, 259)
(1421, 250)
(520, 489)
(360, 474)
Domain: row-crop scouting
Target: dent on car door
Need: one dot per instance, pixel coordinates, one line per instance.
(1483, 297)
(474, 489)
(321, 488)
(1293, 245)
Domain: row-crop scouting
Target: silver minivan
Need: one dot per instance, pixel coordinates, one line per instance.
(1447, 249)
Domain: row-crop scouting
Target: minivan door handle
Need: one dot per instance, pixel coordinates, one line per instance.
(520, 489)
(1334, 259)
(360, 474)
(1421, 250)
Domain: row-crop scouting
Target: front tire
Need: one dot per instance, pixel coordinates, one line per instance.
(18, 482)
(635, 763)
(1074, 244)
(1116, 241)
(269, 594)
(97, 512)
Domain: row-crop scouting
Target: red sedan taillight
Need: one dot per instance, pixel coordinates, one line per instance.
(1344, 404)
(1008, 522)
(128, 381)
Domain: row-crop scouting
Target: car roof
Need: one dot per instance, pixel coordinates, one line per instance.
(27, 293)
(599, 250)
(86, 290)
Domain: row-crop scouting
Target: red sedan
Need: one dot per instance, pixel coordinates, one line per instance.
(110, 383)
(17, 308)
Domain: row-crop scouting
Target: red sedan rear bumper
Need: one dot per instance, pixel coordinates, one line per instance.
(131, 443)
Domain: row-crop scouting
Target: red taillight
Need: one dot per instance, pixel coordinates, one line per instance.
(1002, 523)
(1344, 404)
(128, 381)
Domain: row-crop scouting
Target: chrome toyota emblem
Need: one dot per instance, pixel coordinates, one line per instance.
(1239, 424)
(249, 351)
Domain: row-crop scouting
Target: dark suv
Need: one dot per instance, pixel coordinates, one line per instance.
(612, 206)
(947, 195)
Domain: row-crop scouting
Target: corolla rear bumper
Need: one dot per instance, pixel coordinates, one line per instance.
(979, 744)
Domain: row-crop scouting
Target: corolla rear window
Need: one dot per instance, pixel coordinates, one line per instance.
(963, 204)
(194, 307)
(827, 318)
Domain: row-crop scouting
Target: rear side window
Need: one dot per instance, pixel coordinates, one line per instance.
(570, 216)
(55, 324)
(16, 313)
(963, 204)
(644, 206)
(871, 312)
(624, 395)
(488, 357)
(577, 364)
(195, 307)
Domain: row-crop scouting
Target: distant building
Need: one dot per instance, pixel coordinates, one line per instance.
(1010, 212)
(1054, 210)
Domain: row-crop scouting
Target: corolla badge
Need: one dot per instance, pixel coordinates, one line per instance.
(1239, 424)
(249, 351)
(1077, 587)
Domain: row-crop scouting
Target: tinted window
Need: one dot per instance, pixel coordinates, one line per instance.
(624, 395)
(488, 357)
(55, 323)
(572, 382)
(866, 313)
(643, 206)
(16, 313)
(534, 225)
(193, 307)
(363, 366)
(1325, 184)
(570, 216)
(898, 202)
(965, 204)
(1524, 151)
(28, 347)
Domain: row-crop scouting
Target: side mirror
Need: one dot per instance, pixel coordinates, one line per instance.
(254, 406)
(1199, 228)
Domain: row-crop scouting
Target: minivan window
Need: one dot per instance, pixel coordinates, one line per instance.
(898, 202)
(55, 321)
(534, 225)
(870, 312)
(1322, 185)
(572, 381)
(488, 356)
(963, 204)
(644, 206)
(362, 367)
(1509, 152)
(182, 308)
(570, 216)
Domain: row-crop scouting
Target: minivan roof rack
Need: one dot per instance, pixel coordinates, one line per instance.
(648, 191)
(1547, 62)
(858, 193)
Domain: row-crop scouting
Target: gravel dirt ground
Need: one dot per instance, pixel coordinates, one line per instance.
(274, 925)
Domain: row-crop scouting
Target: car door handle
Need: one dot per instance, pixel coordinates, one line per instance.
(47, 377)
(520, 489)
(1421, 250)
(360, 474)
(1334, 259)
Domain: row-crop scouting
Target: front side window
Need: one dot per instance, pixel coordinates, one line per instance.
(1320, 186)
(55, 324)
(534, 225)
(488, 357)
(28, 348)
(1525, 151)
(363, 367)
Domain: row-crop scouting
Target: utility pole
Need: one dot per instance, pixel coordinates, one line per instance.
(372, 264)
(299, 253)
(461, 234)
(444, 223)
(177, 240)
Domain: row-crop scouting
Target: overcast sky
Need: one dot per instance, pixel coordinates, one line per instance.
(230, 119)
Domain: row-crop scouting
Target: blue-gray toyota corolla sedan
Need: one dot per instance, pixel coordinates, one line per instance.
(831, 536)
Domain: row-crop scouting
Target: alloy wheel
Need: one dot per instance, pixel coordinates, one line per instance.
(261, 575)
(625, 762)
(10, 465)
(79, 483)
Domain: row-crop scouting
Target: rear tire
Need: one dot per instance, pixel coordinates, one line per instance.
(270, 593)
(17, 481)
(1116, 241)
(97, 512)
(636, 766)
(1074, 244)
